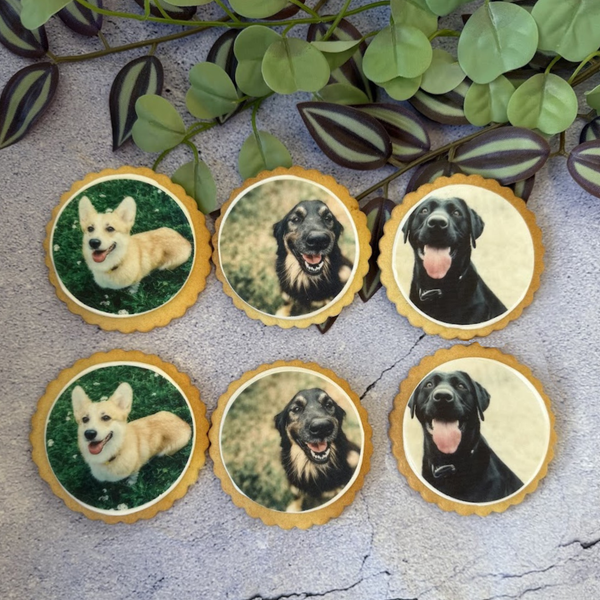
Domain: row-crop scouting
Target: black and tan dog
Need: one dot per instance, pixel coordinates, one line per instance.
(445, 283)
(310, 266)
(318, 458)
(456, 458)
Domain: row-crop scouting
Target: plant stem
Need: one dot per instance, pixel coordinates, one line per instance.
(306, 9)
(444, 33)
(162, 11)
(229, 13)
(582, 64)
(552, 63)
(336, 21)
(193, 148)
(426, 158)
(103, 40)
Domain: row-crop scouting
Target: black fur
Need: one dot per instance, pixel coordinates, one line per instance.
(309, 230)
(460, 297)
(313, 417)
(473, 472)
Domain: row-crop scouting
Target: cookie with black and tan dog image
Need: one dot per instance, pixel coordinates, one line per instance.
(120, 436)
(291, 444)
(127, 249)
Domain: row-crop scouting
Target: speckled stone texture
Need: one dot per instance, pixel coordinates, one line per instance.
(389, 543)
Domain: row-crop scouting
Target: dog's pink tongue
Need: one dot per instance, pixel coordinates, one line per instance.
(96, 447)
(312, 259)
(446, 436)
(99, 256)
(318, 447)
(437, 261)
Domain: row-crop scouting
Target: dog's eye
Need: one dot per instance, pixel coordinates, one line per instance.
(328, 217)
(296, 409)
(429, 384)
(105, 418)
(456, 213)
(424, 211)
(90, 228)
(85, 419)
(328, 405)
(461, 386)
(295, 219)
(110, 229)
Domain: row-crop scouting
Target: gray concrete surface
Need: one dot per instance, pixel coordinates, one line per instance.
(389, 543)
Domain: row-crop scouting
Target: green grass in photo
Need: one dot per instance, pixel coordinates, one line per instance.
(155, 209)
(151, 394)
(250, 443)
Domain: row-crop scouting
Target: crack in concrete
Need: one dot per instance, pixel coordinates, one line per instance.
(372, 536)
(376, 381)
(522, 593)
(583, 544)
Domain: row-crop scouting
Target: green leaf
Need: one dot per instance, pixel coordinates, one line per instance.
(175, 12)
(36, 12)
(408, 135)
(137, 78)
(401, 88)
(159, 126)
(487, 103)
(250, 47)
(292, 65)
(445, 108)
(197, 181)
(24, 99)
(591, 131)
(257, 9)
(414, 13)
(190, 2)
(337, 52)
(584, 165)
(18, 39)
(507, 154)
(397, 51)
(212, 93)
(443, 75)
(346, 135)
(570, 28)
(592, 97)
(341, 93)
(262, 153)
(545, 102)
(445, 7)
(81, 19)
(498, 37)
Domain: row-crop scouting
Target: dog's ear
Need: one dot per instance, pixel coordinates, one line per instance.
(123, 397)
(337, 227)
(80, 402)
(482, 396)
(408, 224)
(340, 413)
(412, 402)
(280, 420)
(279, 230)
(476, 225)
(87, 212)
(126, 211)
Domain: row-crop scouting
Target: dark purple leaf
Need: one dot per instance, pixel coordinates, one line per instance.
(584, 165)
(591, 131)
(523, 188)
(81, 19)
(18, 39)
(327, 324)
(443, 108)
(429, 172)
(175, 12)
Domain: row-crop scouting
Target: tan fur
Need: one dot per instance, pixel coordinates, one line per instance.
(132, 444)
(134, 256)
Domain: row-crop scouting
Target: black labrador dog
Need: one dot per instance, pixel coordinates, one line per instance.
(318, 458)
(457, 460)
(310, 266)
(445, 283)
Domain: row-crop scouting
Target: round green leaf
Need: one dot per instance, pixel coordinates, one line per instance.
(260, 153)
(249, 48)
(401, 88)
(257, 9)
(35, 12)
(189, 3)
(397, 51)
(593, 98)
(197, 181)
(499, 37)
(212, 93)
(443, 75)
(545, 102)
(445, 7)
(292, 65)
(159, 126)
(337, 52)
(487, 102)
(570, 28)
(415, 13)
(342, 93)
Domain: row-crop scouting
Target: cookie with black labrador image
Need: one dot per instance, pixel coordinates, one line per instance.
(472, 430)
(461, 257)
(291, 444)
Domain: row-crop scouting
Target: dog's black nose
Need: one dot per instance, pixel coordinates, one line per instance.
(443, 396)
(317, 240)
(439, 221)
(90, 434)
(321, 427)
(95, 243)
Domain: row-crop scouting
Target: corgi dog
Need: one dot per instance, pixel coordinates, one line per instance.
(115, 449)
(118, 259)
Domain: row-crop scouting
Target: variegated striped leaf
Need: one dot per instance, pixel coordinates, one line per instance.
(175, 12)
(444, 108)
(346, 135)
(591, 131)
(26, 96)
(18, 39)
(584, 166)
(221, 53)
(327, 324)
(378, 212)
(508, 154)
(429, 172)
(350, 73)
(81, 19)
(523, 188)
(409, 137)
(137, 78)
